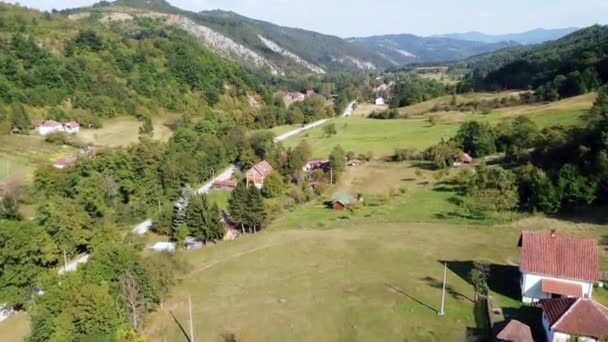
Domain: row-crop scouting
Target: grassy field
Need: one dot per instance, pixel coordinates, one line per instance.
(219, 197)
(16, 328)
(320, 275)
(381, 137)
(424, 107)
(365, 109)
(123, 131)
(20, 155)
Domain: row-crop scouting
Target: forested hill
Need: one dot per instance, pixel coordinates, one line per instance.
(400, 49)
(569, 66)
(253, 43)
(87, 70)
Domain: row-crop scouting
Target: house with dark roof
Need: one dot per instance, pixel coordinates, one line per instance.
(556, 266)
(258, 173)
(568, 319)
(513, 331)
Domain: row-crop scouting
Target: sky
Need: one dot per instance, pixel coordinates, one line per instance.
(348, 18)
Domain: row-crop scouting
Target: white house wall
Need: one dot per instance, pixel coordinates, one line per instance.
(532, 287)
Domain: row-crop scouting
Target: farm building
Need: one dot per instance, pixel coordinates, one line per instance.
(46, 127)
(557, 266)
(315, 165)
(343, 201)
(225, 184)
(380, 101)
(513, 331)
(258, 173)
(163, 247)
(569, 319)
(65, 161)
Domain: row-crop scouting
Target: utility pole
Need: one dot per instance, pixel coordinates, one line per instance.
(65, 262)
(331, 175)
(445, 274)
(191, 325)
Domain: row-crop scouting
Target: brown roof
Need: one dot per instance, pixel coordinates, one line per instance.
(562, 288)
(260, 170)
(559, 256)
(229, 183)
(578, 317)
(515, 331)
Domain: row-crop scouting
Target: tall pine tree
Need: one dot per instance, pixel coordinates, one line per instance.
(255, 213)
(237, 204)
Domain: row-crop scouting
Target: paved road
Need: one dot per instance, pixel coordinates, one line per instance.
(349, 109)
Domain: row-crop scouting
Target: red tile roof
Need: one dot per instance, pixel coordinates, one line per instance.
(559, 256)
(555, 308)
(515, 331)
(260, 171)
(562, 288)
(583, 317)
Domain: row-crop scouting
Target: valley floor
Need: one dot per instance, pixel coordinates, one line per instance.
(374, 274)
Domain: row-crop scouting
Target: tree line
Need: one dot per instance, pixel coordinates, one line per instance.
(556, 169)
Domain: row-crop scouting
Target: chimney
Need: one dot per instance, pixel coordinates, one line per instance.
(553, 233)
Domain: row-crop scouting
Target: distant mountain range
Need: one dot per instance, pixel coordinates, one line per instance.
(400, 49)
(284, 50)
(529, 37)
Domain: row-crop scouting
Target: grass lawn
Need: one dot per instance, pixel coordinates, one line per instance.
(378, 136)
(123, 131)
(365, 109)
(20, 155)
(320, 275)
(381, 137)
(219, 197)
(16, 328)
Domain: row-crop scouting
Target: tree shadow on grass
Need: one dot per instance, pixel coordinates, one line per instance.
(181, 327)
(424, 166)
(596, 215)
(398, 290)
(449, 289)
(502, 279)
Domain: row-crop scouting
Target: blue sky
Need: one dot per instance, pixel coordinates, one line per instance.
(424, 17)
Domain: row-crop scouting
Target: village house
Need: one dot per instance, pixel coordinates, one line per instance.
(513, 331)
(316, 164)
(343, 201)
(380, 101)
(46, 127)
(258, 173)
(298, 97)
(574, 319)
(65, 161)
(556, 266)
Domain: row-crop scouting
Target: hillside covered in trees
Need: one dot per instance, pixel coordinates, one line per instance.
(573, 65)
(91, 71)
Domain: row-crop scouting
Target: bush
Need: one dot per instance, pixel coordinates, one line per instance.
(58, 138)
(403, 154)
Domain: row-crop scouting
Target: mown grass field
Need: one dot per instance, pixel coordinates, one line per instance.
(374, 274)
(123, 131)
(20, 155)
(381, 137)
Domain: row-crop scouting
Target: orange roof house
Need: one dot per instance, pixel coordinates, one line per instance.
(554, 265)
(568, 318)
(258, 173)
